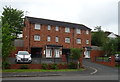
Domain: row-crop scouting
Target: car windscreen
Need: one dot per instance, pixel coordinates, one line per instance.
(23, 53)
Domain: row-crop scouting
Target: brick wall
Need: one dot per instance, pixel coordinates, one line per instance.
(29, 31)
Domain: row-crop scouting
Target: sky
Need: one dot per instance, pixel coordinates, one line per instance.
(91, 13)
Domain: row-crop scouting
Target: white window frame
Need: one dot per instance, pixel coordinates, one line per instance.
(37, 37)
(87, 32)
(48, 38)
(78, 41)
(67, 29)
(78, 31)
(56, 39)
(49, 27)
(67, 40)
(37, 26)
(57, 28)
(87, 41)
(48, 53)
(56, 53)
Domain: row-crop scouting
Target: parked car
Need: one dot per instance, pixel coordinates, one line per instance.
(117, 58)
(23, 57)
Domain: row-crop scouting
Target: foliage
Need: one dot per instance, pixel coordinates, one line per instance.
(13, 18)
(45, 66)
(110, 47)
(76, 53)
(5, 65)
(72, 65)
(98, 37)
(118, 49)
(54, 66)
(7, 45)
(24, 67)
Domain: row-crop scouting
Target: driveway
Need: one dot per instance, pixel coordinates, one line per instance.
(93, 72)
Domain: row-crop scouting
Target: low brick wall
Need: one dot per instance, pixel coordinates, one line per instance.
(36, 66)
(111, 63)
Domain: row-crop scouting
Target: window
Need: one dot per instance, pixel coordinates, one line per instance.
(57, 53)
(78, 41)
(87, 41)
(67, 29)
(78, 31)
(57, 28)
(48, 38)
(87, 32)
(67, 40)
(37, 26)
(37, 37)
(49, 53)
(49, 27)
(56, 39)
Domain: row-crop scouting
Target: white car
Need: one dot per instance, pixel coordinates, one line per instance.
(23, 57)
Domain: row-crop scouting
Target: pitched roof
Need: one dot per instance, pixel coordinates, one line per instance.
(56, 23)
(108, 33)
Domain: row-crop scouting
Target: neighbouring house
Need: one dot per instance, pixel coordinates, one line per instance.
(111, 35)
(52, 39)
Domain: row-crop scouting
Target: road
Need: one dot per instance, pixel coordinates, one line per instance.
(93, 72)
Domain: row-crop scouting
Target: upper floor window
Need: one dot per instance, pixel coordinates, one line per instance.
(37, 26)
(87, 41)
(56, 39)
(37, 37)
(87, 32)
(48, 38)
(49, 27)
(67, 40)
(57, 28)
(78, 31)
(67, 29)
(78, 40)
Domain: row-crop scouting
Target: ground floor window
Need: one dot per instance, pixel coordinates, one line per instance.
(48, 53)
(57, 53)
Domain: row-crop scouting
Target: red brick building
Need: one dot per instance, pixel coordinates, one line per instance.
(49, 38)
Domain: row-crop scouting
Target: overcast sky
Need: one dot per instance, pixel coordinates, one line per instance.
(88, 12)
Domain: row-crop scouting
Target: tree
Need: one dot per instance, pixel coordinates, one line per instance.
(76, 53)
(98, 37)
(13, 18)
(110, 46)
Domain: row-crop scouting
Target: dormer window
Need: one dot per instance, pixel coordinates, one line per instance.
(37, 26)
(67, 29)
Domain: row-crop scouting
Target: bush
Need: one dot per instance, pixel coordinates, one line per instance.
(24, 67)
(5, 65)
(72, 65)
(44, 66)
(54, 66)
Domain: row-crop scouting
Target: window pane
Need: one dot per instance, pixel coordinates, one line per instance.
(78, 41)
(87, 41)
(37, 26)
(78, 31)
(49, 27)
(36, 37)
(57, 28)
(48, 38)
(87, 32)
(56, 39)
(67, 29)
(67, 40)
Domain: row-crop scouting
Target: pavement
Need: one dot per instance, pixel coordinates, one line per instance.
(93, 71)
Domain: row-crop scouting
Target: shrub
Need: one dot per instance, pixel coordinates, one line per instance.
(44, 66)
(54, 66)
(5, 65)
(72, 65)
(24, 67)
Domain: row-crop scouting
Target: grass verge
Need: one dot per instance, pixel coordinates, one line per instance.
(40, 70)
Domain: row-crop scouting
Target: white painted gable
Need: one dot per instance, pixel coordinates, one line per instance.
(112, 35)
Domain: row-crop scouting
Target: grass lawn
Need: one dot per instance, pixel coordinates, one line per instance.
(41, 70)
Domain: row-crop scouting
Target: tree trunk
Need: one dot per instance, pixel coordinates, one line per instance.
(78, 65)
